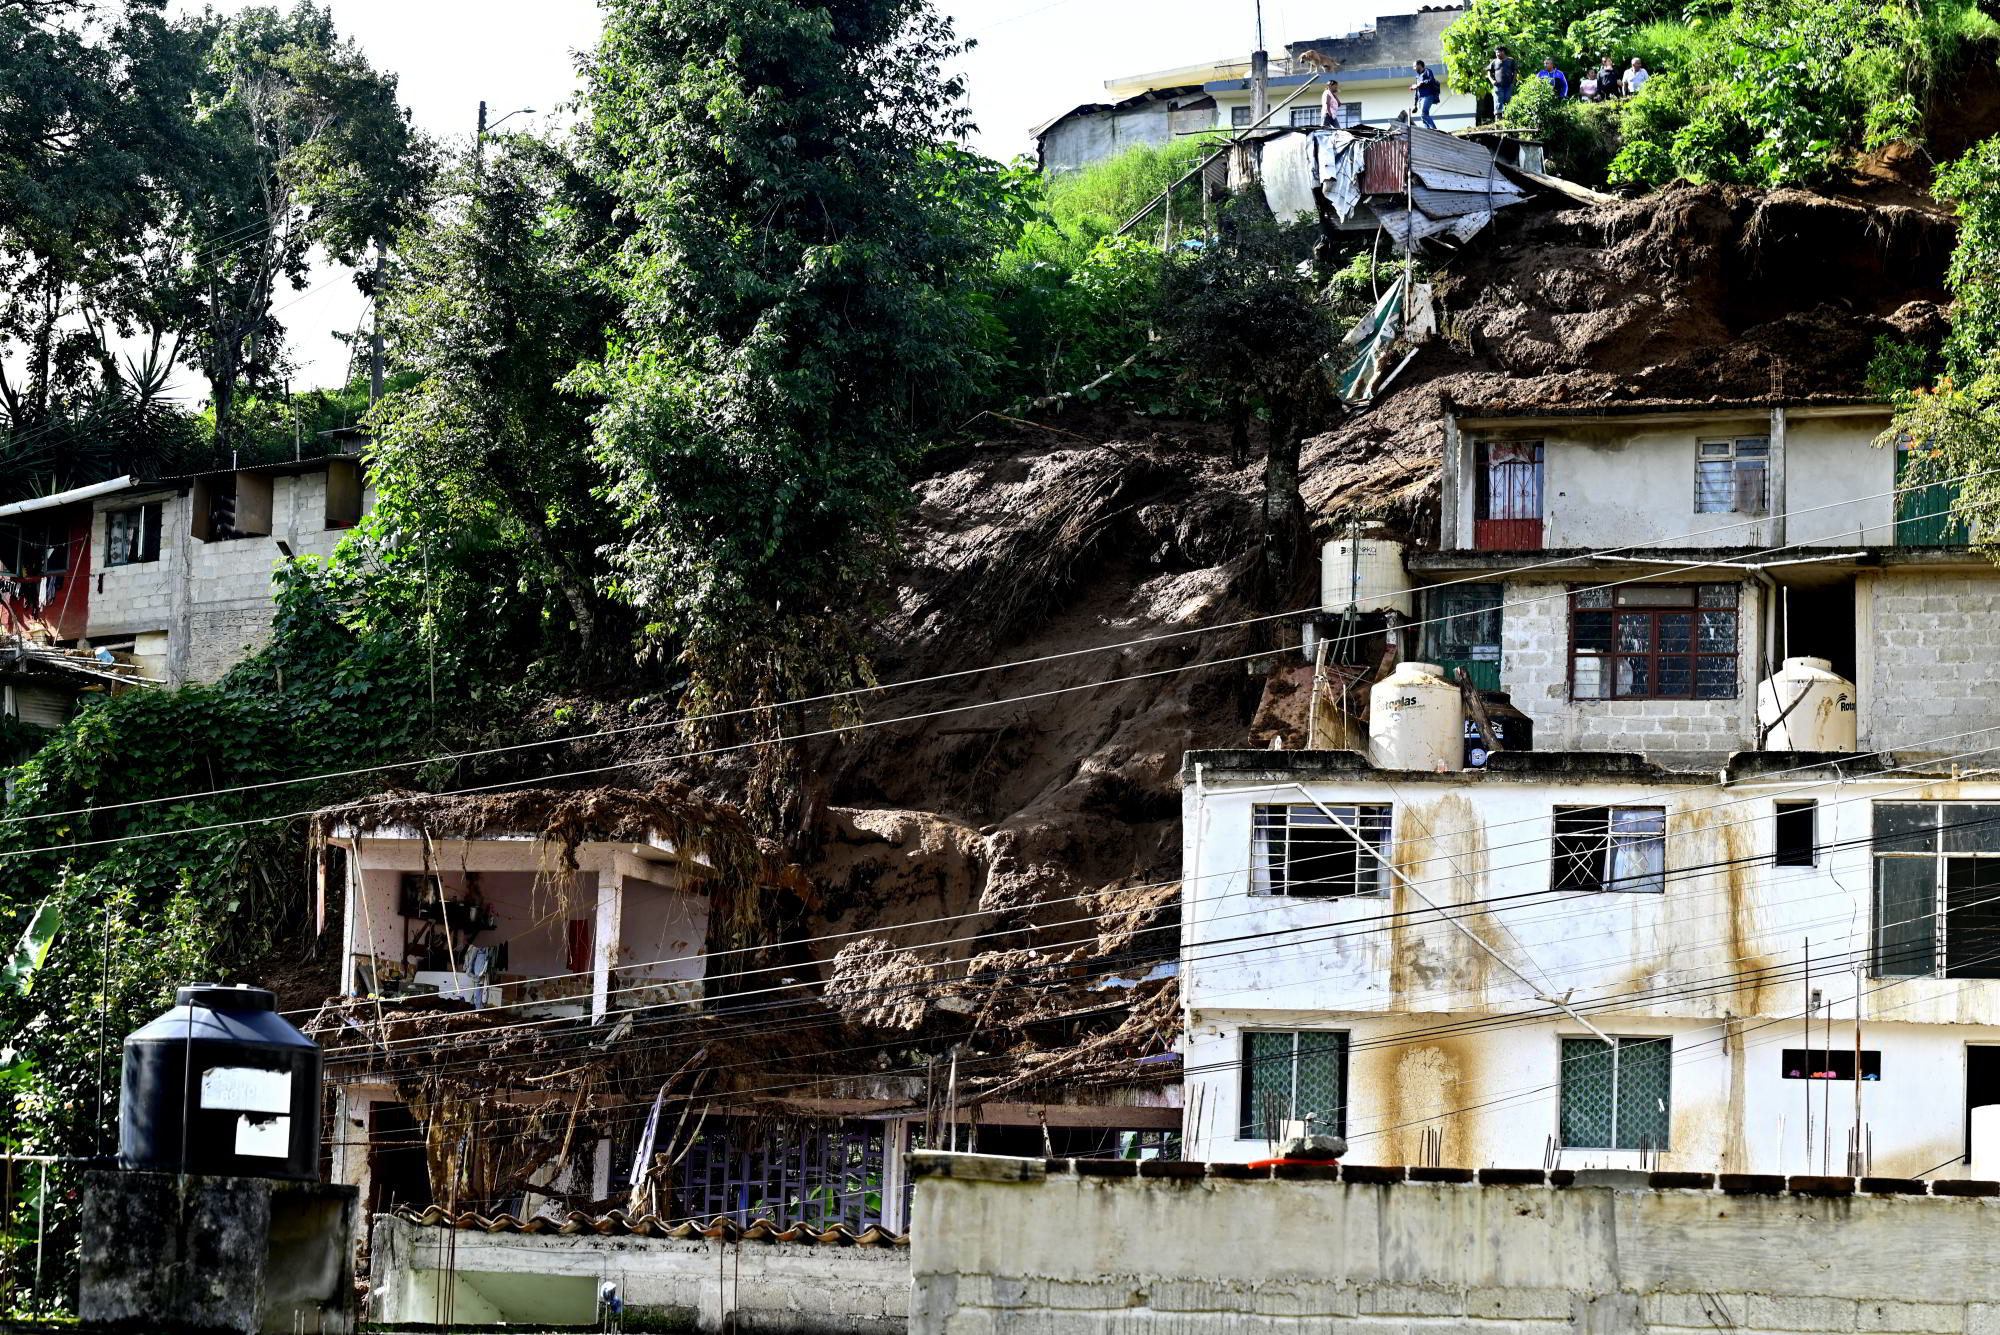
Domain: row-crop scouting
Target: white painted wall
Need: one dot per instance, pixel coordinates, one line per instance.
(1618, 482)
(1389, 971)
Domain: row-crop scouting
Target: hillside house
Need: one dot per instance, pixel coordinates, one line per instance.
(1696, 926)
(1158, 108)
(180, 568)
(169, 578)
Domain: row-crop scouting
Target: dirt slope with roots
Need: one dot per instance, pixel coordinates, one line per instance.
(1038, 543)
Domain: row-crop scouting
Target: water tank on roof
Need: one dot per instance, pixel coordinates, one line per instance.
(1807, 707)
(1416, 720)
(1365, 575)
(221, 1084)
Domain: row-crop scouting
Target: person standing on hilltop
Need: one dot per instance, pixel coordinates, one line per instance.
(1424, 93)
(1635, 77)
(1500, 72)
(1553, 77)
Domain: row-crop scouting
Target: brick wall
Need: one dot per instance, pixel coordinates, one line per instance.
(1000, 1244)
(1534, 668)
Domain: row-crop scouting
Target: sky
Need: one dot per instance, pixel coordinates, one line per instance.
(1032, 60)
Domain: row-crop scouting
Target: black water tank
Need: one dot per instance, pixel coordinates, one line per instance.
(221, 1084)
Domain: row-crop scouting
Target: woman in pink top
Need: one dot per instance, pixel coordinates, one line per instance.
(1329, 103)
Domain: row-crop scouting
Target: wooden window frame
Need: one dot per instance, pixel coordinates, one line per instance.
(1608, 660)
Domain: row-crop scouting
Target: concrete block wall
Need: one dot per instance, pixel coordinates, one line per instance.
(1930, 663)
(1060, 1249)
(1534, 668)
(213, 599)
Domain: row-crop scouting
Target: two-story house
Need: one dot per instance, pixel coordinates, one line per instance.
(1734, 911)
(179, 569)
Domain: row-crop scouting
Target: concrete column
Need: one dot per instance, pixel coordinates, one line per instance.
(605, 943)
(1776, 508)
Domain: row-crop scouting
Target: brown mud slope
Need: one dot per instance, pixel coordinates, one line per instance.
(1032, 812)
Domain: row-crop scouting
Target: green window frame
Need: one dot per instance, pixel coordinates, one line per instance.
(1617, 1096)
(1292, 1075)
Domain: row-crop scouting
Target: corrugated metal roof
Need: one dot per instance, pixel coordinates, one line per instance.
(618, 1224)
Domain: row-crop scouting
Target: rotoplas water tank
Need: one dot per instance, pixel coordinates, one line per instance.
(1365, 574)
(1416, 720)
(1813, 708)
(221, 1084)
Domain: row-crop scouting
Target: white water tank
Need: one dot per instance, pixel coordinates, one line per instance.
(1366, 574)
(1416, 720)
(1812, 708)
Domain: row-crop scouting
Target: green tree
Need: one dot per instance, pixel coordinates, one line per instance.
(308, 147)
(95, 144)
(496, 303)
(799, 308)
(1242, 318)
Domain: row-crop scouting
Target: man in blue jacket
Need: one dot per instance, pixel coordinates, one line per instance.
(1554, 77)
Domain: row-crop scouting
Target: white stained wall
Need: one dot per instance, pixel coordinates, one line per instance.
(1629, 481)
(212, 600)
(1715, 961)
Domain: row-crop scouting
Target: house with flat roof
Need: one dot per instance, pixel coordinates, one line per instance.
(1665, 828)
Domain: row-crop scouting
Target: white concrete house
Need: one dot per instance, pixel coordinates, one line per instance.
(1160, 107)
(1656, 939)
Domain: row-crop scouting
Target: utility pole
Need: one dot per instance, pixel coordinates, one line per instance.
(479, 140)
(375, 334)
(1260, 74)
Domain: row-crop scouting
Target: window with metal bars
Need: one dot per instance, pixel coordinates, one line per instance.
(1732, 476)
(1616, 1096)
(1293, 1076)
(1654, 641)
(1937, 890)
(789, 1171)
(1306, 853)
(1610, 848)
(1462, 630)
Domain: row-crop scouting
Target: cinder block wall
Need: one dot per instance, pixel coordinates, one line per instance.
(1935, 668)
(1534, 668)
(1214, 1249)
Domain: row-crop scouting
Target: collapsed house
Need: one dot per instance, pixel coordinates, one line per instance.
(570, 1013)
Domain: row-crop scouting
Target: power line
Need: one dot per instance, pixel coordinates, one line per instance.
(1383, 854)
(860, 691)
